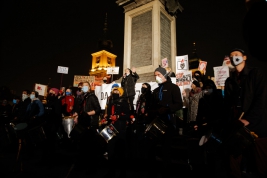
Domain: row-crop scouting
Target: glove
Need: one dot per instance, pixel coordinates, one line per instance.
(113, 117)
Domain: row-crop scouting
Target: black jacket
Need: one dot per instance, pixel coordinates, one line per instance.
(166, 99)
(90, 103)
(128, 84)
(247, 92)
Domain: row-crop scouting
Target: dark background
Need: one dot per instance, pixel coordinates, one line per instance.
(39, 36)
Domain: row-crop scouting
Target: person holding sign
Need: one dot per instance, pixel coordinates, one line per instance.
(128, 84)
(245, 104)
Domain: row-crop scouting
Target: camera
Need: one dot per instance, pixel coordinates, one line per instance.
(236, 60)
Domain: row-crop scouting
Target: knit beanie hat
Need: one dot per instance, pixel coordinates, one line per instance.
(162, 71)
(196, 83)
(55, 90)
(121, 91)
(115, 85)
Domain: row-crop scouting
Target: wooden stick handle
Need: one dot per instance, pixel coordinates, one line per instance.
(241, 116)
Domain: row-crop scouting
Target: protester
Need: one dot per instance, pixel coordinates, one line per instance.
(67, 103)
(166, 100)
(118, 114)
(88, 119)
(245, 102)
(128, 84)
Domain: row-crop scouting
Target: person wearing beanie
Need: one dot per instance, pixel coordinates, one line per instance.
(128, 84)
(246, 102)
(165, 101)
(54, 91)
(118, 116)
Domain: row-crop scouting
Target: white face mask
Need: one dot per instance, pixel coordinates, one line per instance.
(24, 96)
(158, 80)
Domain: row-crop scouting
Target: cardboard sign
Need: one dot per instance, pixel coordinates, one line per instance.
(82, 78)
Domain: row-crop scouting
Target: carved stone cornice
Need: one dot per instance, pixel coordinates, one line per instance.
(131, 4)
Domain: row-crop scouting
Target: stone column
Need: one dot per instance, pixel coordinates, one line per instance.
(149, 36)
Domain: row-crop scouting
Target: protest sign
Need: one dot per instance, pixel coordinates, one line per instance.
(182, 63)
(164, 63)
(83, 78)
(41, 89)
(62, 70)
(221, 73)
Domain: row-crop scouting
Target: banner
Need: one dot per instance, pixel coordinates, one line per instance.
(182, 63)
(82, 78)
(103, 92)
(221, 74)
(42, 89)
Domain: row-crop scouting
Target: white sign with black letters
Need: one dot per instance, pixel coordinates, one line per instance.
(62, 70)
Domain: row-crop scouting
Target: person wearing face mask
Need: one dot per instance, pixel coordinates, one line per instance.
(35, 109)
(15, 108)
(88, 118)
(67, 103)
(118, 114)
(245, 106)
(142, 119)
(23, 106)
(52, 125)
(128, 84)
(165, 101)
(78, 98)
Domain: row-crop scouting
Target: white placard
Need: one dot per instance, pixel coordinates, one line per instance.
(113, 70)
(62, 70)
(41, 89)
(221, 73)
(182, 63)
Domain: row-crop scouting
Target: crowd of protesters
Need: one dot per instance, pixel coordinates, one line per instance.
(232, 125)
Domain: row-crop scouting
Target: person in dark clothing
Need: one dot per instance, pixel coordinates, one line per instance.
(15, 108)
(118, 114)
(88, 119)
(128, 84)
(23, 106)
(142, 119)
(245, 106)
(52, 126)
(165, 101)
(78, 99)
(5, 112)
(170, 73)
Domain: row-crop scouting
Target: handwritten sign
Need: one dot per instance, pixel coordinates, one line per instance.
(221, 74)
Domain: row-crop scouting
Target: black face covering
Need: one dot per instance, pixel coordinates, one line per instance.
(143, 90)
(115, 95)
(51, 97)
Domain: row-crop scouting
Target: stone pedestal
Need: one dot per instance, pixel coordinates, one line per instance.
(149, 36)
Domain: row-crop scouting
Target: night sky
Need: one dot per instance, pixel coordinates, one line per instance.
(39, 36)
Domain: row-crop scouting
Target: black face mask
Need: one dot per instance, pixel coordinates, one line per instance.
(143, 90)
(79, 89)
(115, 95)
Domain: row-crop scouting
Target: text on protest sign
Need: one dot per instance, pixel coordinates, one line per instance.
(62, 70)
(221, 74)
(83, 78)
(182, 63)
